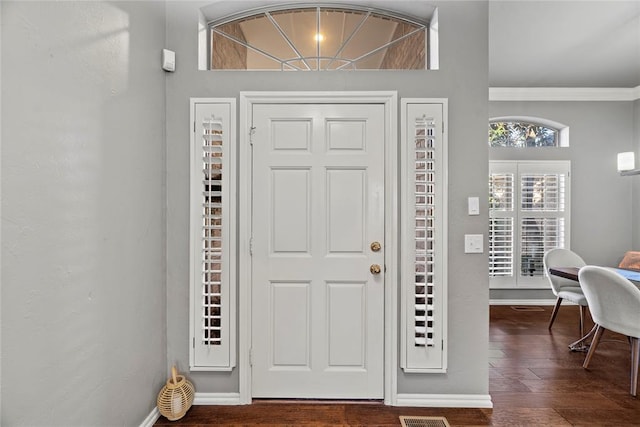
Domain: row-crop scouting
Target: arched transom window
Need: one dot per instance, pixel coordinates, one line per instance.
(526, 132)
(318, 38)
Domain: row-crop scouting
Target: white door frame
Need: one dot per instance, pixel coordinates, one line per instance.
(390, 101)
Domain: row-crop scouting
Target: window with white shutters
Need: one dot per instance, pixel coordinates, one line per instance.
(212, 223)
(529, 214)
(424, 237)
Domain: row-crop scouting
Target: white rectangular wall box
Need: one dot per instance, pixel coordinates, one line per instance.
(474, 205)
(168, 60)
(473, 243)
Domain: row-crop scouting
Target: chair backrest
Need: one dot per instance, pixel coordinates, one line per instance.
(631, 260)
(561, 257)
(614, 302)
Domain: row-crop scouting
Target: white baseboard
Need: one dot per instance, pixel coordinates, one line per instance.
(525, 302)
(198, 399)
(417, 400)
(445, 400)
(217, 399)
(151, 419)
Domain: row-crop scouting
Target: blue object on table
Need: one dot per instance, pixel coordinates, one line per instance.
(629, 274)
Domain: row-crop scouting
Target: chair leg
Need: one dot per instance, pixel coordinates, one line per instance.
(554, 313)
(583, 310)
(635, 360)
(594, 344)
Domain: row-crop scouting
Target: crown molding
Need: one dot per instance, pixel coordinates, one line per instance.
(563, 94)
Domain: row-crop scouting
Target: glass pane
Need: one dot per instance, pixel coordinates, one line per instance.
(542, 192)
(318, 38)
(300, 27)
(336, 27)
(501, 192)
(538, 236)
(227, 53)
(374, 33)
(521, 134)
(406, 39)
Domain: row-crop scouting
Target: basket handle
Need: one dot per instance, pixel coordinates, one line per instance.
(174, 374)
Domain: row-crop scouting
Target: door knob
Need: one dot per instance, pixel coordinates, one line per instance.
(375, 269)
(376, 246)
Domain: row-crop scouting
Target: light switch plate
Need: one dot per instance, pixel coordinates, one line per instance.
(474, 205)
(473, 243)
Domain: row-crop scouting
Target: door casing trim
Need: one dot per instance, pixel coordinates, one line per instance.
(390, 101)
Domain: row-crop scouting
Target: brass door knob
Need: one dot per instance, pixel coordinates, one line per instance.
(375, 269)
(376, 246)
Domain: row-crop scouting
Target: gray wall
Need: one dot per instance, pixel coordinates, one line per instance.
(462, 78)
(83, 260)
(601, 200)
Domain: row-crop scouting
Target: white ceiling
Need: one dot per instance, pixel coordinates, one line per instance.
(564, 43)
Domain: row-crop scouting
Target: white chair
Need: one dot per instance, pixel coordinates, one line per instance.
(614, 303)
(565, 288)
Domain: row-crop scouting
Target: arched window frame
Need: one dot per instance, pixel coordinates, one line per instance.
(561, 129)
(420, 13)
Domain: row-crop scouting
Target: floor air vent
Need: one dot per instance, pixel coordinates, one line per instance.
(526, 308)
(423, 422)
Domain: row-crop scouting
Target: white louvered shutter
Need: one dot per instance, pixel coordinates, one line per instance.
(543, 216)
(529, 214)
(424, 237)
(501, 221)
(212, 243)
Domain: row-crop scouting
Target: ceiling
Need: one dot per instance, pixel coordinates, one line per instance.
(564, 43)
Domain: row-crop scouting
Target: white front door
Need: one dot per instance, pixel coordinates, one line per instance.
(317, 207)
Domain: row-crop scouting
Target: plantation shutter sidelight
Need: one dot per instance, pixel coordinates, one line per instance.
(423, 269)
(212, 217)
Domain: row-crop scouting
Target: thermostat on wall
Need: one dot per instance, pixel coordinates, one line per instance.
(168, 60)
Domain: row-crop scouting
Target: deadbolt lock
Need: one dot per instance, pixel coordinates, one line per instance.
(375, 269)
(376, 246)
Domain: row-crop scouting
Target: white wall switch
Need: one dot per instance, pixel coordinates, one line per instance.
(474, 205)
(168, 60)
(473, 243)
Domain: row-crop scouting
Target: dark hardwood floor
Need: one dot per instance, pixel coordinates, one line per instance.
(534, 380)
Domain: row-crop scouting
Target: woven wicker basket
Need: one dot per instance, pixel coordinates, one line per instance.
(176, 397)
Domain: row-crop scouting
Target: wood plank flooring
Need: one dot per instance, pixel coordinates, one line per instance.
(534, 380)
